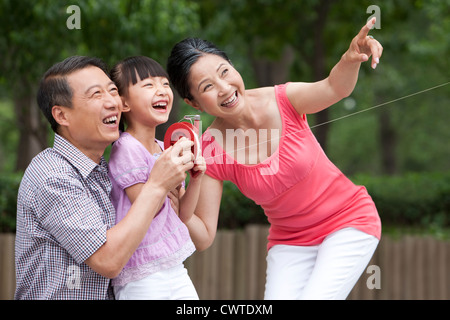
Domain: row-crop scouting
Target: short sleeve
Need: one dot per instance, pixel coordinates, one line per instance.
(129, 162)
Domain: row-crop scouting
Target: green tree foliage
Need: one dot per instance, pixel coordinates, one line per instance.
(408, 132)
(34, 36)
(402, 136)
(269, 41)
(30, 41)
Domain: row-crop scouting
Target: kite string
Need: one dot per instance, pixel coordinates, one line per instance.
(349, 115)
(381, 105)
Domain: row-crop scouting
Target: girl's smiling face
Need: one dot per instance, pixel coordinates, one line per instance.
(148, 102)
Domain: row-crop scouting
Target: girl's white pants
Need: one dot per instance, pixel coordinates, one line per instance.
(169, 284)
(322, 272)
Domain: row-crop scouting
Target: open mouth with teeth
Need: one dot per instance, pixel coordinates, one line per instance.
(110, 120)
(230, 101)
(162, 106)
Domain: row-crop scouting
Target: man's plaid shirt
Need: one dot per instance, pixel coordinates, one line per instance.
(63, 213)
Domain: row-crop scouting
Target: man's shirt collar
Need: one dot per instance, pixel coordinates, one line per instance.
(78, 159)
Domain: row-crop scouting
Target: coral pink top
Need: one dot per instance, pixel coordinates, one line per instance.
(304, 195)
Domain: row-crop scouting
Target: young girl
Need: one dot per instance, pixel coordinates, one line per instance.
(155, 270)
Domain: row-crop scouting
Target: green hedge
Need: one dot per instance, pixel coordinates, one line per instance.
(420, 200)
(236, 210)
(412, 200)
(9, 185)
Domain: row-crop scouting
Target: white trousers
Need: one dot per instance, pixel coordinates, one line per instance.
(170, 284)
(323, 272)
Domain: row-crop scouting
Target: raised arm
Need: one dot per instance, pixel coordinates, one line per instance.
(313, 97)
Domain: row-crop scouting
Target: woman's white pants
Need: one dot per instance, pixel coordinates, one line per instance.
(322, 272)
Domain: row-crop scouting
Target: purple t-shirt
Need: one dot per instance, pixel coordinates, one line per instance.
(167, 242)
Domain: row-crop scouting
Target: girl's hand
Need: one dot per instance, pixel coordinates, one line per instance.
(363, 46)
(199, 168)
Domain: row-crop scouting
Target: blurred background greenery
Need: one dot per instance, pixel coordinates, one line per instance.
(399, 150)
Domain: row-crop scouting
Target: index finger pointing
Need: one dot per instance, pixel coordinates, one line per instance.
(367, 27)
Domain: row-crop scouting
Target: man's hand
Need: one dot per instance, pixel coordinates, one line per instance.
(170, 168)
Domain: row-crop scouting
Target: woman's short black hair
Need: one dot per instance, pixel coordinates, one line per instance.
(54, 89)
(127, 71)
(183, 55)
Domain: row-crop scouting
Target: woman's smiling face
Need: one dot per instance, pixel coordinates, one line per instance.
(216, 86)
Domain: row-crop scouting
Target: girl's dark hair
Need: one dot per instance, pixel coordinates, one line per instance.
(54, 88)
(184, 54)
(127, 71)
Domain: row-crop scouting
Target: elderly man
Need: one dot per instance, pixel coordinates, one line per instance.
(68, 245)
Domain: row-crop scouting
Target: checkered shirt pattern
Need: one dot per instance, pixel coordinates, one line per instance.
(63, 213)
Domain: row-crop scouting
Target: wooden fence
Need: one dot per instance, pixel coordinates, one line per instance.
(7, 275)
(408, 267)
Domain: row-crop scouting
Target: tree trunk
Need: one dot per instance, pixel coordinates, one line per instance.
(32, 130)
(388, 143)
(319, 68)
(269, 72)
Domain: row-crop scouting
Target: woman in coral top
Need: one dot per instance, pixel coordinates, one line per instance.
(324, 229)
